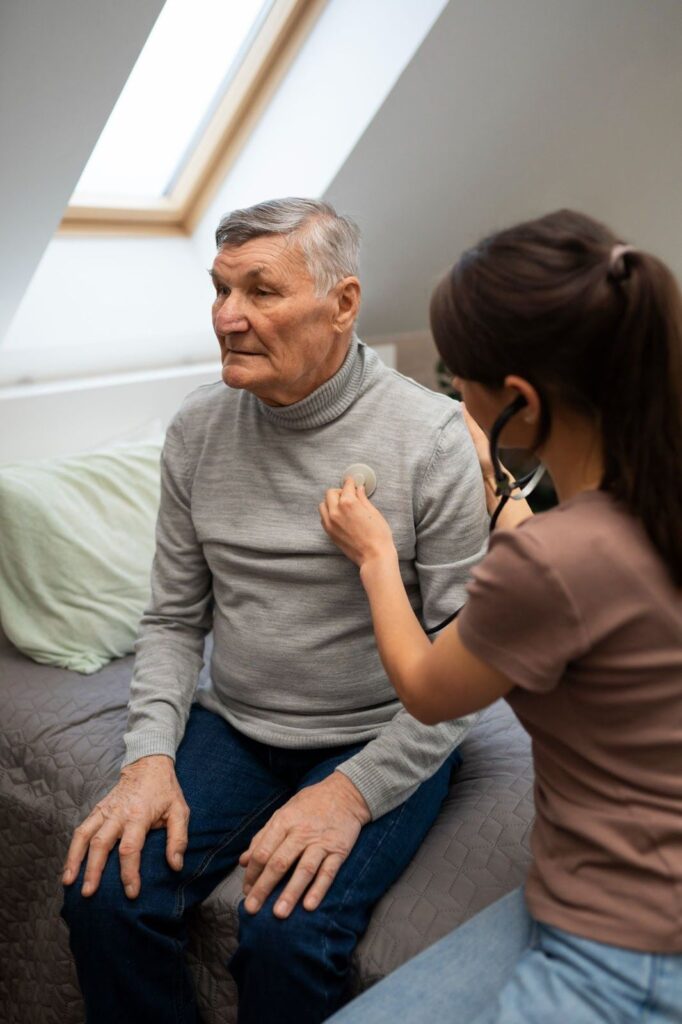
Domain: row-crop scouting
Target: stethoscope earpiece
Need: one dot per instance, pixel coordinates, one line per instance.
(504, 487)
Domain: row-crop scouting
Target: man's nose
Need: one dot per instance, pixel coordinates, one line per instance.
(230, 318)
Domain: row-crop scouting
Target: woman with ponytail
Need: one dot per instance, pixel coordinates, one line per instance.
(574, 616)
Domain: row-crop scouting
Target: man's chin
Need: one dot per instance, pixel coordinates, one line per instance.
(235, 377)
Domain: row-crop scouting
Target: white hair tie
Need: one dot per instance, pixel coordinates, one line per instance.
(618, 268)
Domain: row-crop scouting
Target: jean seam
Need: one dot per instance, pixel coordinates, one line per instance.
(534, 937)
(357, 878)
(180, 895)
(370, 858)
(649, 1002)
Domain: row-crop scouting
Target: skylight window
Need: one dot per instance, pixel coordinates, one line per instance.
(193, 52)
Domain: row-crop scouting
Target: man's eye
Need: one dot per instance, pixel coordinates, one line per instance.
(262, 291)
(222, 289)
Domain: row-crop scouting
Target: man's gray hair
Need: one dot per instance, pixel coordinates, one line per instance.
(330, 242)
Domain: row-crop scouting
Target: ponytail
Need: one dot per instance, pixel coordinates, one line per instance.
(641, 408)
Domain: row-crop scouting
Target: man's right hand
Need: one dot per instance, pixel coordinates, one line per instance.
(146, 796)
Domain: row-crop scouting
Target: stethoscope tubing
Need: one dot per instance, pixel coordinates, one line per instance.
(505, 486)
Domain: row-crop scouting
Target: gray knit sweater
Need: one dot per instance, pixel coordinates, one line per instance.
(240, 550)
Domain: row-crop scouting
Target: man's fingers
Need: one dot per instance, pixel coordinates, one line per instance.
(79, 845)
(132, 841)
(304, 872)
(326, 874)
(276, 867)
(245, 859)
(260, 851)
(176, 834)
(101, 845)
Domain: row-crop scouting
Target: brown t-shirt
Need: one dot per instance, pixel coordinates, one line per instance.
(576, 607)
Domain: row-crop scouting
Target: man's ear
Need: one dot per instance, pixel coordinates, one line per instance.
(347, 304)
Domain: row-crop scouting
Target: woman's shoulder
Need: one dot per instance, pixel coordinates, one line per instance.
(562, 583)
(593, 543)
(589, 520)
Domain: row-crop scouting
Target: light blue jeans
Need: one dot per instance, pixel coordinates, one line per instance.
(503, 967)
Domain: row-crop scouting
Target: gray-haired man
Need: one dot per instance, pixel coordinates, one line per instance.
(296, 759)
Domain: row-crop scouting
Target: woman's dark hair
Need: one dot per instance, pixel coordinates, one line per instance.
(599, 330)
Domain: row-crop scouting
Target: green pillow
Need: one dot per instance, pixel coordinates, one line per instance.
(76, 545)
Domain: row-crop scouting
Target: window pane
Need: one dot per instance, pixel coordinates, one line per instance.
(193, 50)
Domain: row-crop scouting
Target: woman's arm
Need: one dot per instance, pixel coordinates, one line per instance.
(434, 682)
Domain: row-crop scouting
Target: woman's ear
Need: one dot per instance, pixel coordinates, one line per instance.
(532, 410)
(347, 303)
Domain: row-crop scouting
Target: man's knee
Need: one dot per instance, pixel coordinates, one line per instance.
(109, 905)
(108, 899)
(303, 934)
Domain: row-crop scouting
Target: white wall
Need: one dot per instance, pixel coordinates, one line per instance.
(103, 304)
(48, 420)
(509, 110)
(62, 418)
(62, 65)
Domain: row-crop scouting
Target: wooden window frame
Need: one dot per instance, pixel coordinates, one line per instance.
(283, 32)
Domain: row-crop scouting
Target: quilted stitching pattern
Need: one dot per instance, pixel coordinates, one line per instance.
(60, 748)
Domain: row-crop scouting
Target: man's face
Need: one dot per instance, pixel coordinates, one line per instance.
(278, 339)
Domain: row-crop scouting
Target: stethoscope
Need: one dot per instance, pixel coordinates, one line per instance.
(505, 487)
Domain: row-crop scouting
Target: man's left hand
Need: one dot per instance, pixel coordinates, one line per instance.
(315, 831)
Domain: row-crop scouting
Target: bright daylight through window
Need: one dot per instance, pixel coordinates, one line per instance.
(193, 52)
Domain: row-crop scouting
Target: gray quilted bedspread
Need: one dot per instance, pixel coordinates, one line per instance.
(60, 748)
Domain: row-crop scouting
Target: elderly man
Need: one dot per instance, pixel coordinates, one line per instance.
(296, 759)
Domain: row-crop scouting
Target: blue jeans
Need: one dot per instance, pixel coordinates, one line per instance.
(503, 967)
(129, 953)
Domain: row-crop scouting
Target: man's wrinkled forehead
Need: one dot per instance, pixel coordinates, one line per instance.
(277, 255)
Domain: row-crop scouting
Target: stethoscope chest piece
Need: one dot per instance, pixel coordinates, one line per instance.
(361, 474)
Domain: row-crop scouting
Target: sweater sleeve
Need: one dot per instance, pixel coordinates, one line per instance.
(452, 522)
(452, 536)
(169, 649)
(391, 767)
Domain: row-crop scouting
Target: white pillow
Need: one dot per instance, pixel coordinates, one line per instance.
(76, 545)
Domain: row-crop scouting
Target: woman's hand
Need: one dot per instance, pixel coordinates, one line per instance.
(481, 444)
(516, 511)
(355, 525)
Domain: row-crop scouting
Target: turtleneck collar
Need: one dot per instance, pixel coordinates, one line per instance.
(329, 400)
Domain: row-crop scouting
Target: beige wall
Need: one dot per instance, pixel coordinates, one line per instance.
(415, 355)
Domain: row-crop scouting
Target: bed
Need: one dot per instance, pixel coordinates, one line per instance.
(60, 750)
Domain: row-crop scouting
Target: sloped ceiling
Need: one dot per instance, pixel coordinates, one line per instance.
(62, 66)
(512, 108)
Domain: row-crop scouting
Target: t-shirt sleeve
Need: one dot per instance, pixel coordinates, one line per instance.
(520, 618)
